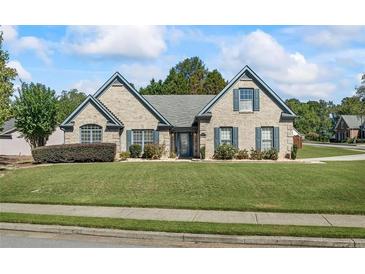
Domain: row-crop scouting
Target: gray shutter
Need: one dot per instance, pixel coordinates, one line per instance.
(236, 100)
(177, 136)
(256, 100)
(129, 139)
(258, 138)
(156, 136)
(217, 137)
(235, 137)
(276, 138)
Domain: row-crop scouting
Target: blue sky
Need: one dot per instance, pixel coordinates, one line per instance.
(305, 62)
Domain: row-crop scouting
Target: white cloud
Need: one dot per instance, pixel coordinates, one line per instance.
(292, 72)
(87, 86)
(116, 41)
(141, 74)
(19, 44)
(23, 74)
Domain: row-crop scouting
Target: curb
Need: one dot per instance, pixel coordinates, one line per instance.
(187, 237)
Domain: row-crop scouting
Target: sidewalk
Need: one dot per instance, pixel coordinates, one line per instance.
(185, 215)
(356, 157)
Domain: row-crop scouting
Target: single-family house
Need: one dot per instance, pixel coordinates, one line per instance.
(12, 141)
(349, 127)
(247, 113)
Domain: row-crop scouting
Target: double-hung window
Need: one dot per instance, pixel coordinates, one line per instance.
(266, 138)
(226, 135)
(142, 137)
(246, 99)
(90, 134)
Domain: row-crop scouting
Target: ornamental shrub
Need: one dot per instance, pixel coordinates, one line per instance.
(271, 154)
(225, 152)
(69, 153)
(242, 154)
(294, 152)
(202, 152)
(153, 151)
(255, 154)
(135, 150)
(124, 155)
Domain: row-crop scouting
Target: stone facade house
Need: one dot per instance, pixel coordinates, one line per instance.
(247, 113)
(350, 127)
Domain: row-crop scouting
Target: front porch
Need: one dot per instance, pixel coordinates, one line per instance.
(184, 142)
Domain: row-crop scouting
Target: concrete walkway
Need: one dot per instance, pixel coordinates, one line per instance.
(339, 145)
(356, 157)
(212, 216)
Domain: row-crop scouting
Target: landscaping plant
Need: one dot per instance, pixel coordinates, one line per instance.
(124, 155)
(153, 151)
(294, 152)
(225, 152)
(242, 154)
(255, 154)
(135, 150)
(202, 152)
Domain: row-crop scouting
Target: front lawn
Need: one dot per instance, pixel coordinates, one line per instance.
(335, 187)
(187, 227)
(309, 151)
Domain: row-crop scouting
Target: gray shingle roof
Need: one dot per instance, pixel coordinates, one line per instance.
(8, 125)
(179, 110)
(353, 121)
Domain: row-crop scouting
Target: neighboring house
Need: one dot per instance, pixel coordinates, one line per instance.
(13, 143)
(247, 113)
(350, 126)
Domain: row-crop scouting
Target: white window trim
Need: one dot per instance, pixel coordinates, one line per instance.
(143, 132)
(272, 137)
(239, 100)
(91, 135)
(220, 135)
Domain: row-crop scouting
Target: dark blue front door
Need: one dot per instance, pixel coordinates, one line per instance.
(184, 144)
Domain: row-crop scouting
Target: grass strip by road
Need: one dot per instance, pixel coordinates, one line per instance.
(186, 227)
(309, 151)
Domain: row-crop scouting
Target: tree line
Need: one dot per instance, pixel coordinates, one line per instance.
(38, 110)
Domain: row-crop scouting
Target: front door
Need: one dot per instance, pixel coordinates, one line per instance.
(184, 143)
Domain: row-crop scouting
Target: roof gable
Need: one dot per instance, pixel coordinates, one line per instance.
(351, 121)
(118, 79)
(247, 74)
(112, 119)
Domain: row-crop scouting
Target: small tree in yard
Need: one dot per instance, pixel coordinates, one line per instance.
(35, 112)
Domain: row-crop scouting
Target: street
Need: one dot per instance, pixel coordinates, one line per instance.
(21, 239)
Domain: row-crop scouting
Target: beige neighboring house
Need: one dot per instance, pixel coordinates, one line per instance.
(13, 143)
(247, 113)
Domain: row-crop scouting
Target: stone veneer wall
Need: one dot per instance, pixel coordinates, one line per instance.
(223, 115)
(90, 115)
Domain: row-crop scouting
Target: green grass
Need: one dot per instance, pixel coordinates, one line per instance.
(186, 227)
(335, 187)
(309, 151)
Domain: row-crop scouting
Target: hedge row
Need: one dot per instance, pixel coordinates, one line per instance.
(102, 152)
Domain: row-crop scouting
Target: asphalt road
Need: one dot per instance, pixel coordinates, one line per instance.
(21, 239)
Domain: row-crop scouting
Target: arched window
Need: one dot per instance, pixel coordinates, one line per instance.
(90, 134)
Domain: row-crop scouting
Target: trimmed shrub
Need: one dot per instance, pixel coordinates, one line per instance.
(242, 154)
(271, 154)
(225, 152)
(135, 151)
(172, 155)
(202, 152)
(124, 155)
(153, 151)
(69, 153)
(294, 151)
(255, 154)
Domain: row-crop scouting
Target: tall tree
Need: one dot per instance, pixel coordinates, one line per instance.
(313, 116)
(7, 75)
(189, 76)
(360, 91)
(67, 102)
(214, 82)
(35, 112)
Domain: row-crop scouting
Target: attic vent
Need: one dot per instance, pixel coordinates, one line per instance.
(244, 77)
(116, 83)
